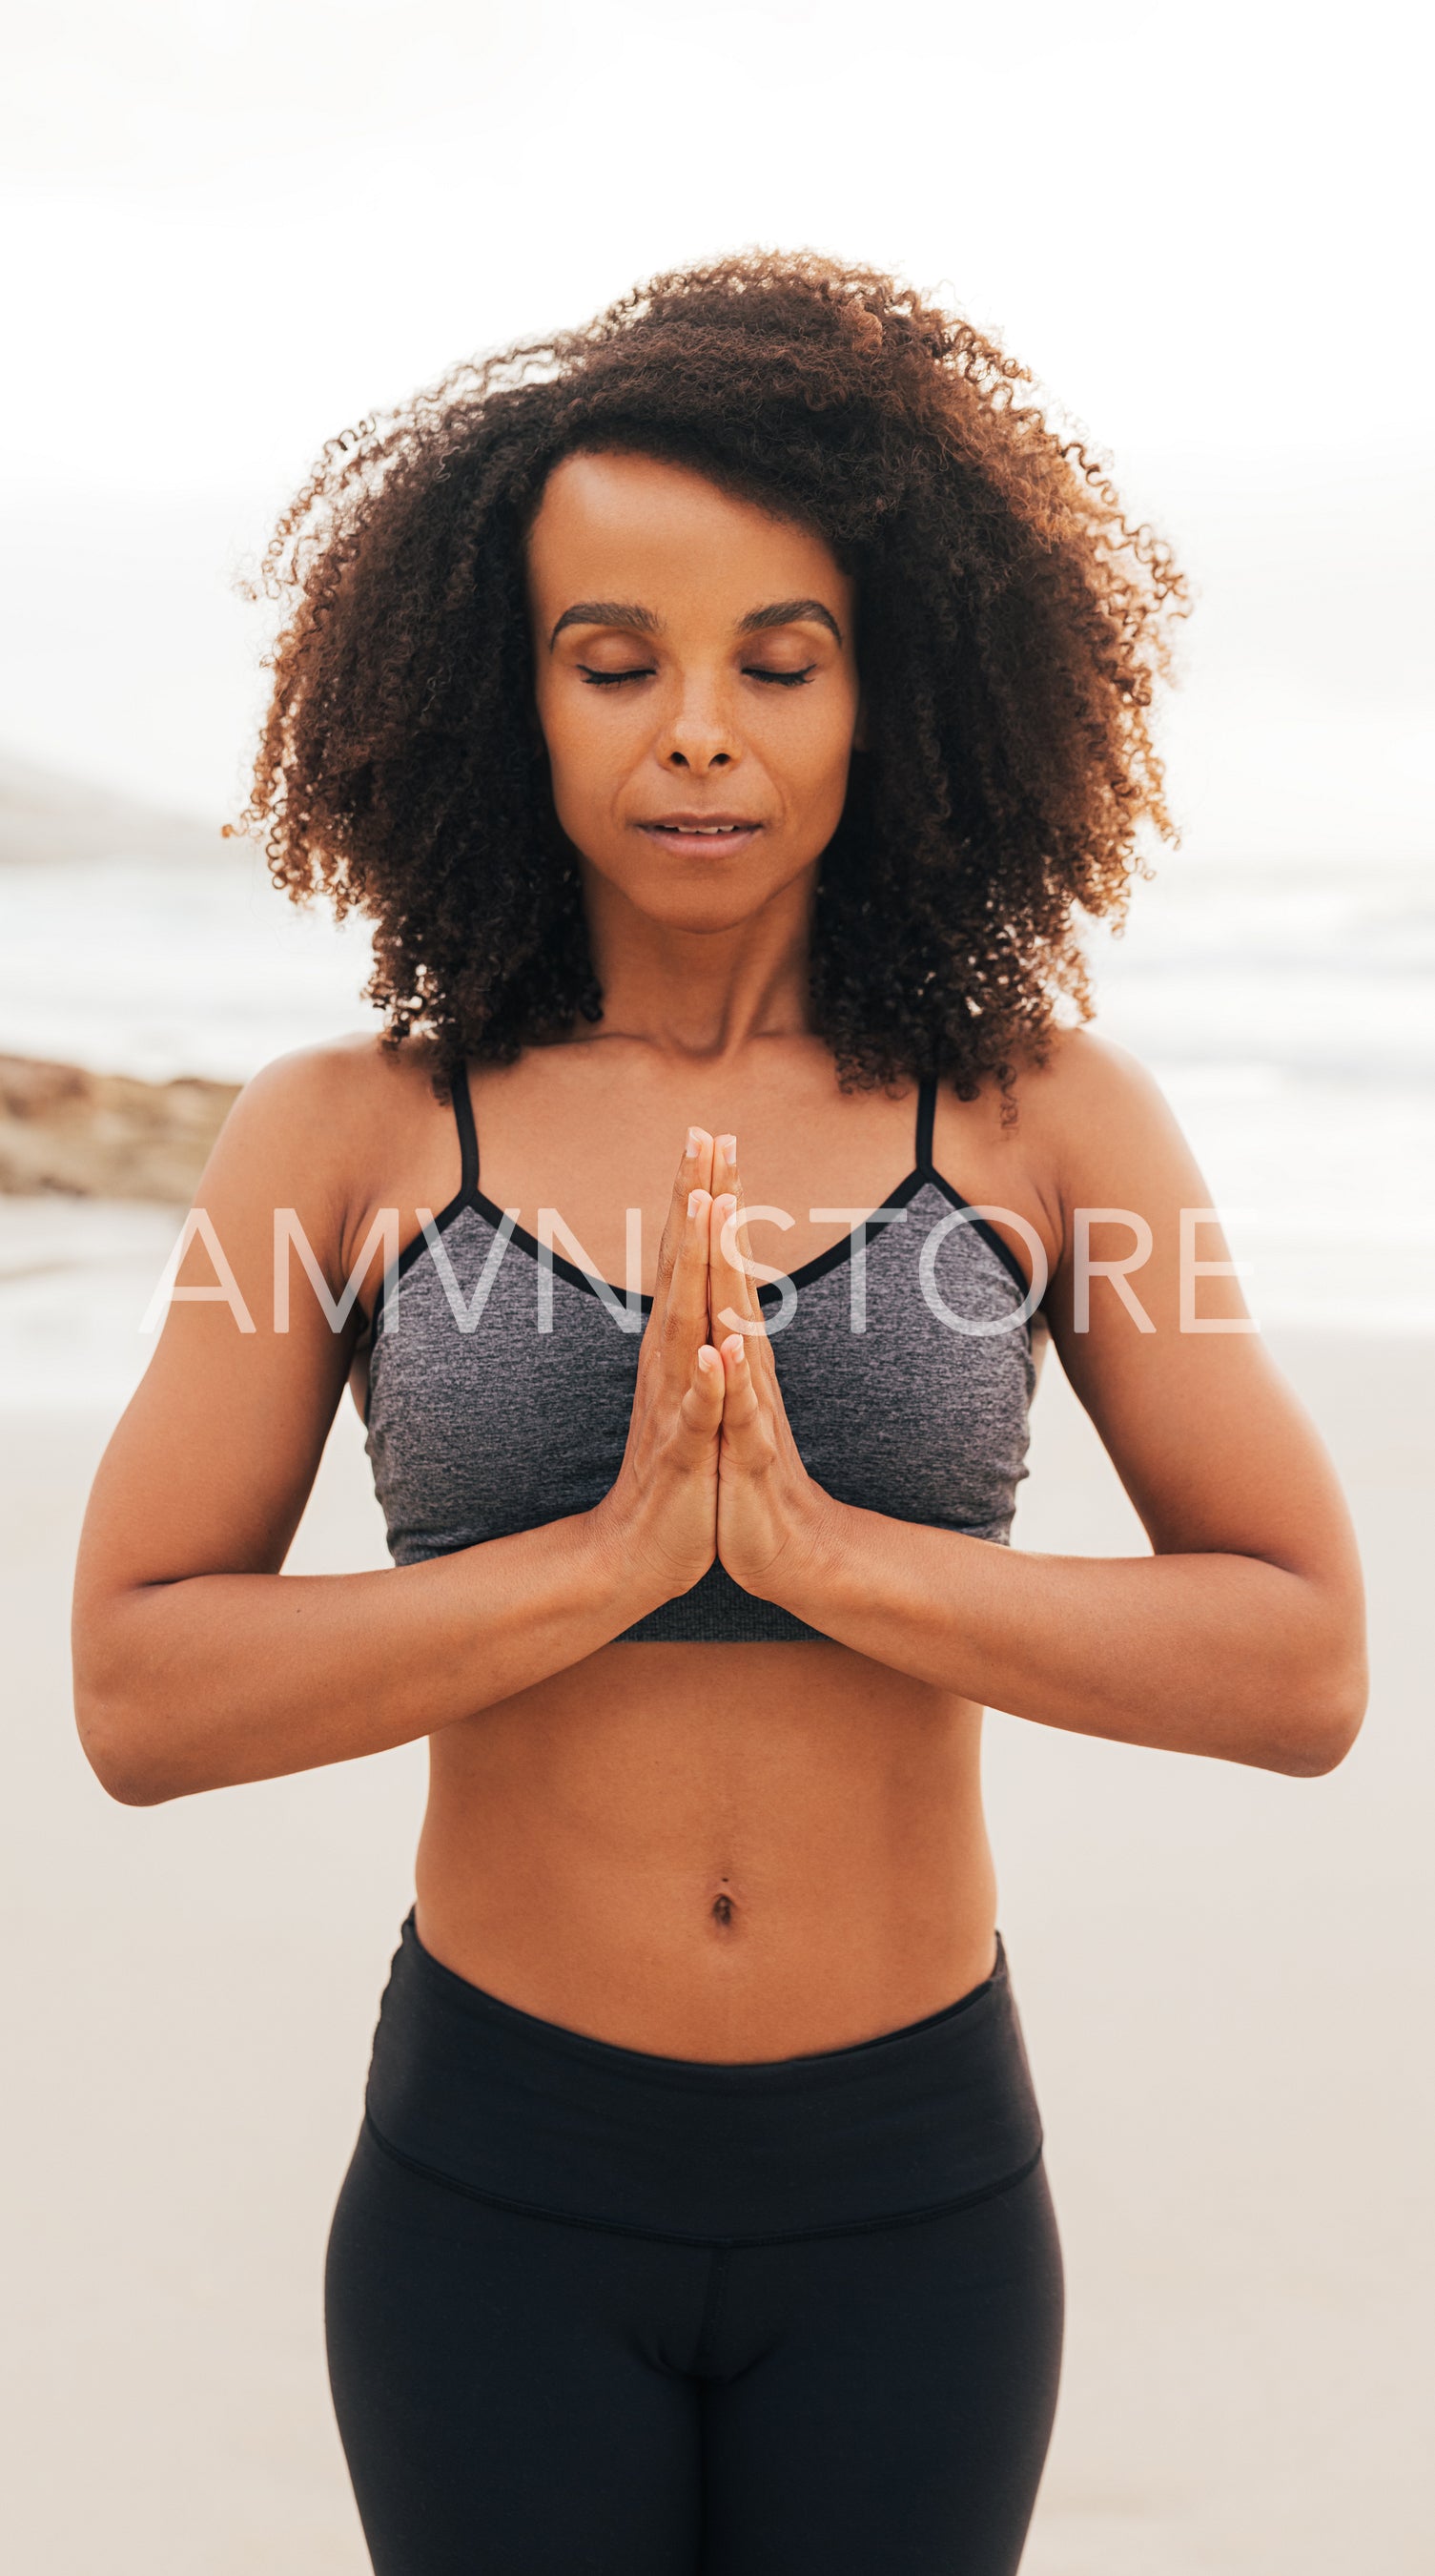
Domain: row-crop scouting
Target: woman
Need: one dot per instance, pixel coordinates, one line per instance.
(723, 715)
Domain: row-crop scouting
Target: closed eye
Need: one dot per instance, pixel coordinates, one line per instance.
(644, 671)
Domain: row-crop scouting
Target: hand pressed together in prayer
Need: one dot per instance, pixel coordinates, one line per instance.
(711, 1470)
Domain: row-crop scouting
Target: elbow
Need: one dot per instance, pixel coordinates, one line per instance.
(1321, 1725)
(122, 1769)
(133, 1789)
(133, 1701)
(1322, 1747)
(130, 1790)
(114, 1742)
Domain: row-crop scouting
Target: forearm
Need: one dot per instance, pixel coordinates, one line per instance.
(1218, 1654)
(220, 1678)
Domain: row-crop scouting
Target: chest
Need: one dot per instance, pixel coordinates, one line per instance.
(501, 1379)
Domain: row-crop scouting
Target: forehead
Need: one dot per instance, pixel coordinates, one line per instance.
(639, 528)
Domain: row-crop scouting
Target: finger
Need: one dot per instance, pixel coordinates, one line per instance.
(740, 1402)
(746, 1428)
(694, 1172)
(733, 1292)
(682, 1324)
(732, 1297)
(702, 1406)
(760, 1352)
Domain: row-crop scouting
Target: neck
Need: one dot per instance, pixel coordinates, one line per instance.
(702, 994)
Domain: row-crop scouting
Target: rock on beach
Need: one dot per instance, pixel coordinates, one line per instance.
(105, 1135)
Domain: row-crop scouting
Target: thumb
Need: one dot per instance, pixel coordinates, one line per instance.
(701, 1410)
(741, 1411)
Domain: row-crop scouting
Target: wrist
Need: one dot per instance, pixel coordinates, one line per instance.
(624, 1580)
(814, 1568)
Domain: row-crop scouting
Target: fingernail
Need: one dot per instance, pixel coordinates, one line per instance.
(708, 1359)
(695, 1200)
(727, 1147)
(694, 1140)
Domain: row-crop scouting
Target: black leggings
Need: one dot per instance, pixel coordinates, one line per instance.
(548, 2359)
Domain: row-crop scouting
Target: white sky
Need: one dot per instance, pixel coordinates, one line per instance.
(242, 223)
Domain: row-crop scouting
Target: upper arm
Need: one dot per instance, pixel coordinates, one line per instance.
(211, 1464)
(1210, 1442)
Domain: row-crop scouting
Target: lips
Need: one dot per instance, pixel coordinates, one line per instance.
(698, 835)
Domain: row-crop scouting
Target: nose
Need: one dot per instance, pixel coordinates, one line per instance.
(700, 737)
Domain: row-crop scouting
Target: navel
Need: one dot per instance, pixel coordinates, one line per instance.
(724, 1905)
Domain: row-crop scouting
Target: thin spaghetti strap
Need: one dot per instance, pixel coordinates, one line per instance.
(926, 1116)
(467, 1132)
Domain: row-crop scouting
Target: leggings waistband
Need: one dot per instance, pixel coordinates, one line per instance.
(511, 2108)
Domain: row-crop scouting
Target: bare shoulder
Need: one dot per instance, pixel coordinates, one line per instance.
(1085, 1126)
(1082, 1086)
(1097, 1125)
(327, 1106)
(1125, 1192)
(339, 1083)
(322, 1130)
(1087, 1083)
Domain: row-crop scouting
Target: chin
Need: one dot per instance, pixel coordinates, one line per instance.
(703, 908)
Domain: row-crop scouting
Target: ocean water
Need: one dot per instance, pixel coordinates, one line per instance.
(1288, 1012)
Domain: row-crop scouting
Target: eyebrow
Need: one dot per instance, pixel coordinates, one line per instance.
(607, 612)
(642, 621)
(790, 612)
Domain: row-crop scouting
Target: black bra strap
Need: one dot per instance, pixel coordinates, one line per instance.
(926, 1116)
(467, 1132)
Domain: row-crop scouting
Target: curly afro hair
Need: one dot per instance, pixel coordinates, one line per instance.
(1013, 625)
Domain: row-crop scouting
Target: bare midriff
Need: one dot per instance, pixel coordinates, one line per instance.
(722, 1852)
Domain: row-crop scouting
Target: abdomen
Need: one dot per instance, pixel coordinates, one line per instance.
(713, 1851)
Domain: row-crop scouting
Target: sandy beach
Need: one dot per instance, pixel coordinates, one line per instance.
(1225, 1981)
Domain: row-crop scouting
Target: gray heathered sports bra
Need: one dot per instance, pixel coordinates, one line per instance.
(501, 1380)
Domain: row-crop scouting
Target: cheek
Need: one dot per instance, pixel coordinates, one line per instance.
(813, 746)
(587, 751)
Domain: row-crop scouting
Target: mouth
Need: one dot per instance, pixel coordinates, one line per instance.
(702, 836)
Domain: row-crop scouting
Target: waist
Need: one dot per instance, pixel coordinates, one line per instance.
(495, 2101)
(720, 1852)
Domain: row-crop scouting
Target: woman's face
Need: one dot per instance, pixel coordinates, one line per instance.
(697, 686)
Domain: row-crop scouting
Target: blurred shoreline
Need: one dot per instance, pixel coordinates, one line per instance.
(1286, 1008)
